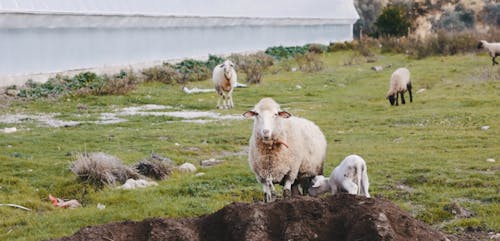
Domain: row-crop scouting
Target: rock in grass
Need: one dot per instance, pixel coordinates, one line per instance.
(210, 162)
(187, 167)
(490, 160)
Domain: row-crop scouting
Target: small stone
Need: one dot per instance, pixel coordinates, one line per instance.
(378, 68)
(298, 87)
(490, 160)
(101, 206)
(485, 128)
(421, 90)
(199, 174)
(210, 162)
(9, 130)
(187, 167)
(12, 92)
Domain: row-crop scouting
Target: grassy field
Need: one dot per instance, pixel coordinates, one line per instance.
(424, 156)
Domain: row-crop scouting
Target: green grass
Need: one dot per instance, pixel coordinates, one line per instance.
(422, 156)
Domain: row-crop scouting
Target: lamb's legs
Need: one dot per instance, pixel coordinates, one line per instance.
(230, 99)
(397, 102)
(350, 187)
(403, 98)
(493, 59)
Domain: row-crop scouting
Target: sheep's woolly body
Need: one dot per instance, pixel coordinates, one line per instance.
(399, 84)
(296, 151)
(224, 79)
(493, 49)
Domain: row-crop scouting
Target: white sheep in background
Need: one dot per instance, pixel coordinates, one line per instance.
(284, 150)
(225, 79)
(399, 84)
(493, 49)
(349, 176)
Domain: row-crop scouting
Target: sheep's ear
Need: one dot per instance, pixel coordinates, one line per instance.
(221, 66)
(250, 113)
(284, 114)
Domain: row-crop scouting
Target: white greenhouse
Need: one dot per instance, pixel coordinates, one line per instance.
(43, 36)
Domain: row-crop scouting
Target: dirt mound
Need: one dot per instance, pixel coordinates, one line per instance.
(338, 217)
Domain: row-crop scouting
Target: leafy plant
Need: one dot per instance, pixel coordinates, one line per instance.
(392, 22)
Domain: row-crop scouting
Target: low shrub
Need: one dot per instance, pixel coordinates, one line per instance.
(316, 48)
(253, 65)
(192, 70)
(165, 73)
(309, 62)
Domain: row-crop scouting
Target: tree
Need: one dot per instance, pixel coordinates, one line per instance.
(393, 21)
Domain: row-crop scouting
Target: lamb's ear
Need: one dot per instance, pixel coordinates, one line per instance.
(284, 114)
(250, 113)
(221, 66)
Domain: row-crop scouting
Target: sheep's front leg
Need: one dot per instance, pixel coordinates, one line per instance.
(403, 98)
(218, 100)
(287, 188)
(269, 191)
(230, 99)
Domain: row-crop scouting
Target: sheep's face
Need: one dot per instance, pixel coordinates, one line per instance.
(392, 99)
(228, 66)
(267, 119)
(480, 45)
(319, 186)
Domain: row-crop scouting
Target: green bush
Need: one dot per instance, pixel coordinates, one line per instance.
(392, 22)
(281, 52)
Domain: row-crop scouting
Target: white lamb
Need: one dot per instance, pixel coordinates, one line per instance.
(350, 176)
(493, 49)
(225, 79)
(284, 150)
(399, 84)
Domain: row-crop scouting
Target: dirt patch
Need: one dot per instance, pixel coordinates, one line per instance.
(338, 217)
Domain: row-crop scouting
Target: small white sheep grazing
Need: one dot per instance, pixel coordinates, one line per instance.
(349, 176)
(493, 49)
(225, 79)
(284, 150)
(399, 84)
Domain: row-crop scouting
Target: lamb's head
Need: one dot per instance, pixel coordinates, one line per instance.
(481, 44)
(319, 186)
(228, 67)
(268, 118)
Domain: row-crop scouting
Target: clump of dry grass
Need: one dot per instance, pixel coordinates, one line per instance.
(155, 167)
(309, 62)
(101, 169)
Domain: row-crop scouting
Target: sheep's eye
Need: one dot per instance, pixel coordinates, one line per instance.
(276, 115)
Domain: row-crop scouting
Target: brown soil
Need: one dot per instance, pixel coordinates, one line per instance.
(338, 217)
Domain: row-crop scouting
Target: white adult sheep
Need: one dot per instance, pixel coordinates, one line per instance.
(399, 84)
(284, 150)
(493, 49)
(349, 176)
(225, 79)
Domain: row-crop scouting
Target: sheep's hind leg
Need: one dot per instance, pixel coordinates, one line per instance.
(493, 59)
